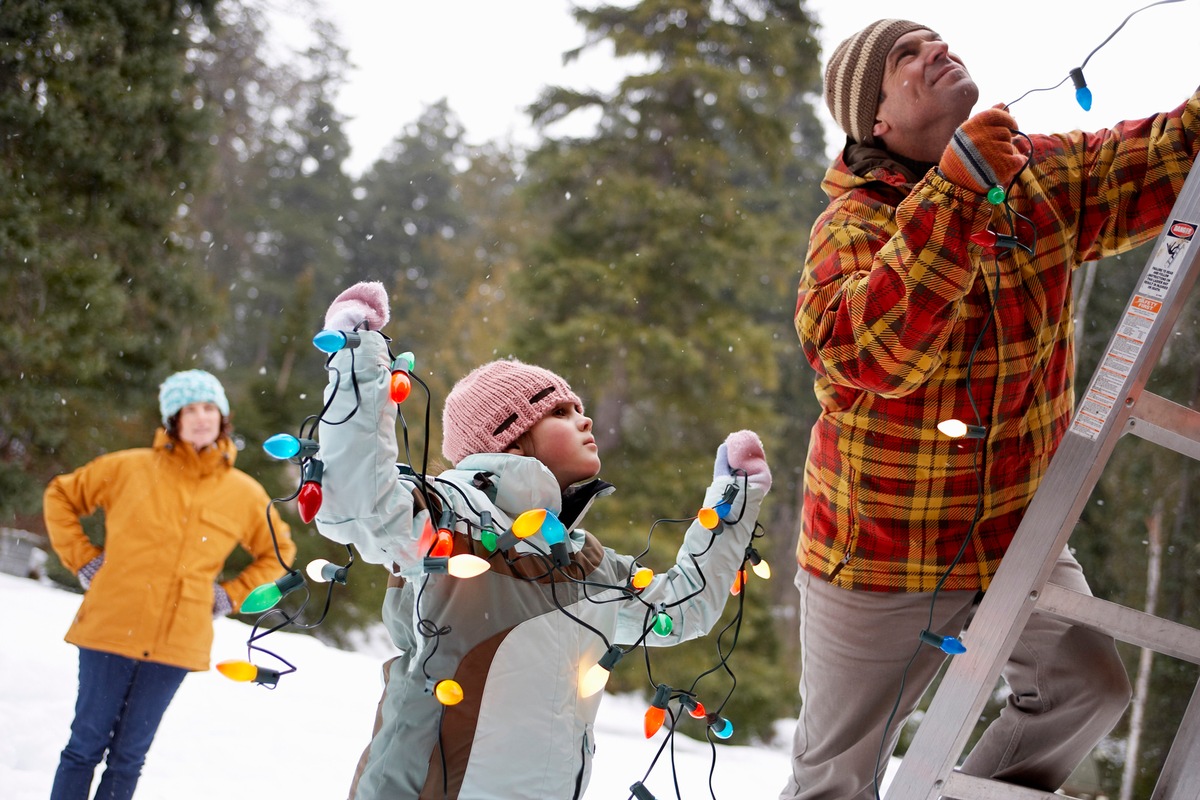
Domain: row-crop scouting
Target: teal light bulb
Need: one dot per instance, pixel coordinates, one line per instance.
(329, 341)
(721, 727)
(552, 529)
(282, 445)
(663, 624)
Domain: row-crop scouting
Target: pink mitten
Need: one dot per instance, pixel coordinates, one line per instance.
(745, 452)
(364, 302)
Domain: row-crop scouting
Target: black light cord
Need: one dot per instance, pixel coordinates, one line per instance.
(433, 492)
(1096, 50)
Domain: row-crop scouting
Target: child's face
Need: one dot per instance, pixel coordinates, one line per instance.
(563, 441)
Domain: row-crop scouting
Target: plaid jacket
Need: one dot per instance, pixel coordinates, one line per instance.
(893, 300)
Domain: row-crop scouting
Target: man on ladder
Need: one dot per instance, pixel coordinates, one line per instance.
(937, 289)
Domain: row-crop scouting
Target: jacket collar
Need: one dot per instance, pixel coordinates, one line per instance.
(220, 456)
(516, 484)
(859, 165)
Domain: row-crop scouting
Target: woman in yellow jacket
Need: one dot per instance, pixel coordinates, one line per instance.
(172, 515)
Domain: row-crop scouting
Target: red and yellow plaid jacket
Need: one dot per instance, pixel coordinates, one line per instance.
(892, 301)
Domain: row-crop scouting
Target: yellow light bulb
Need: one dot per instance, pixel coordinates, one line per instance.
(448, 692)
(709, 518)
(529, 523)
(241, 671)
(762, 569)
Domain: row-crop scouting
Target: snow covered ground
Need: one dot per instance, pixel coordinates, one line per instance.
(302, 740)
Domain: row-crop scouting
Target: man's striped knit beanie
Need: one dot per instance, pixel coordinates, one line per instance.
(854, 76)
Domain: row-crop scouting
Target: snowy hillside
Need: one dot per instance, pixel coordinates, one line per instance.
(226, 739)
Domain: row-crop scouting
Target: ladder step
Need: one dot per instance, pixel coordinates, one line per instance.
(969, 787)
(1121, 622)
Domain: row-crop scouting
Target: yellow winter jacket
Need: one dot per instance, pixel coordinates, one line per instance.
(171, 518)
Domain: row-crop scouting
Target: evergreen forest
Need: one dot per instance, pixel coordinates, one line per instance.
(173, 194)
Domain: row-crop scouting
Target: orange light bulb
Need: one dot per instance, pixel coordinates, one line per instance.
(653, 720)
(739, 582)
(641, 579)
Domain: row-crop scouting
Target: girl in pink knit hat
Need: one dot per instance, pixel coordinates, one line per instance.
(497, 682)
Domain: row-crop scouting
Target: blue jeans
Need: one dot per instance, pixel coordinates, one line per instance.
(120, 703)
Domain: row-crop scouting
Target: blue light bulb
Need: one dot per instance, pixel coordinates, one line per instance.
(328, 341)
(1083, 95)
(953, 646)
(950, 645)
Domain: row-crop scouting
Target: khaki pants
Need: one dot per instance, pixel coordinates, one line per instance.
(1068, 688)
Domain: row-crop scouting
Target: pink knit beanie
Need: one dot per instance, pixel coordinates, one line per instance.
(496, 403)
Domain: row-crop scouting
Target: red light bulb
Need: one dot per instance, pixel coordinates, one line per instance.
(400, 386)
(309, 501)
(985, 238)
(444, 546)
(401, 383)
(309, 497)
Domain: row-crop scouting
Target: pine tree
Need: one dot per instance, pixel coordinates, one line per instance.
(662, 286)
(102, 150)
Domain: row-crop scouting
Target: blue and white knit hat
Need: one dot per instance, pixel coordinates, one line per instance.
(190, 386)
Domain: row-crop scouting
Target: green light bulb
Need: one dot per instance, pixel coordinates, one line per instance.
(487, 537)
(266, 596)
(663, 624)
(262, 599)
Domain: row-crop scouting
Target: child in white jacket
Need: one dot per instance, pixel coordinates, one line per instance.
(494, 693)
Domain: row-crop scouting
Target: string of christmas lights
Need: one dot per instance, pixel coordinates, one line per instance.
(461, 546)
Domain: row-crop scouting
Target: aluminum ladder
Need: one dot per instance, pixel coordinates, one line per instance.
(1114, 404)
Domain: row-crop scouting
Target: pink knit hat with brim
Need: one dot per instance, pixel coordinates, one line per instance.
(496, 403)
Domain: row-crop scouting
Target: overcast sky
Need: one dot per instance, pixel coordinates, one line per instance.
(491, 59)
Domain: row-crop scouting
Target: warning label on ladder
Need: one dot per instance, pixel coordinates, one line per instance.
(1104, 392)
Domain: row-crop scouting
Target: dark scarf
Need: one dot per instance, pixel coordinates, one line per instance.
(862, 159)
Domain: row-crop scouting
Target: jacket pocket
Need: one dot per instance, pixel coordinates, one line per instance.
(587, 750)
(191, 618)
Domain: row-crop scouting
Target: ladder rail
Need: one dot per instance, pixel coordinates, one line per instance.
(1179, 779)
(1101, 417)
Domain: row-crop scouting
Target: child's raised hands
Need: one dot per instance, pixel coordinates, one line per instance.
(743, 450)
(366, 301)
